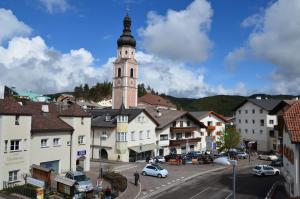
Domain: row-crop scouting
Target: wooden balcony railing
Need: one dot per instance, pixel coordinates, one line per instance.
(184, 141)
(182, 129)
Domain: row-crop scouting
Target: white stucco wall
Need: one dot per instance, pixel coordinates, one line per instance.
(59, 153)
(19, 160)
(80, 130)
(261, 133)
(290, 169)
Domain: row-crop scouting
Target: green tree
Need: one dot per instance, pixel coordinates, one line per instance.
(78, 91)
(141, 90)
(230, 139)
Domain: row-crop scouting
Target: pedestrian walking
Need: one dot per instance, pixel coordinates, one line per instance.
(136, 178)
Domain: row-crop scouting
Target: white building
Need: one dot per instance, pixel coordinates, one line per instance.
(48, 135)
(291, 150)
(123, 134)
(254, 122)
(177, 131)
(215, 127)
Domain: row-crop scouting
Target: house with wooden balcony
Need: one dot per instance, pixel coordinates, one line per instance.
(215, 127)
(178, 131)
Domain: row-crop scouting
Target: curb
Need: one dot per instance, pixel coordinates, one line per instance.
(173, 185)
(272, 190)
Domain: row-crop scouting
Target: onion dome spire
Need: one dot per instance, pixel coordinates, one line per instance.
(126, 39)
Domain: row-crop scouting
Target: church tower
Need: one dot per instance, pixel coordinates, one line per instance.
(125, 71)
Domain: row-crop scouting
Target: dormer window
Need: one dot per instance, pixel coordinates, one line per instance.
(17, 120)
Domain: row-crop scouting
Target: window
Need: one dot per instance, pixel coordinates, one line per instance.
(68, 143)
(246, 111)
(271, 122)
(5, 146)
(132, 136)
(119, 72)
(272, 134)
(14, 145)
(181, 123)
(178, 136)
(261, 131)
(246, 130)
(131, 72)
(219, 123)
(262, 122)
(44, 142)
(253, 111)
(121, 137)
(141, 135)
(209, 123)
(148, 134)
(126, 52)
(246, 121)
(253, 131)
(81, 139)
(174, 124)
(253, 121)
(12, 176)
(240, 120)
(261, 110)
(163, 137)
(56, 142)
(188, 135)
(188, 123)
(17, 120)
(104, 135)
(239, 111)
(82, 120)
(240, 130)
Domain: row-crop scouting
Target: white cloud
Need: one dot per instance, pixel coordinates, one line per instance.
(54, 6)
(276, 40)
(11, 26)
(180, 35)
(235, 56)
(31, 64)
(175, 78)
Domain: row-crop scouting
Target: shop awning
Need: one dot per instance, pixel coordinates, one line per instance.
(143, 148)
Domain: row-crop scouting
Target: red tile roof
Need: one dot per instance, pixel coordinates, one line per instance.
(292, 122)
(10, 106)
(156, 100)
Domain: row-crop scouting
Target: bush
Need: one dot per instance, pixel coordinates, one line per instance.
(117, 181)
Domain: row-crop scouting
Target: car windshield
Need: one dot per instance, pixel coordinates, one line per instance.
(80, 178)
(257, 167)
(158, 167)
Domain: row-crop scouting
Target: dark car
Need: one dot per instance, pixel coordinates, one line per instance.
(277, 163)
(205, 159)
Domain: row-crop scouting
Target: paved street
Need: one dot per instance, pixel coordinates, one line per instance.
(217, 185)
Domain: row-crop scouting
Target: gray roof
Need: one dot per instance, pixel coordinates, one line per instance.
(169, 116)
(200, 114)
(267, 104)
(99, 116)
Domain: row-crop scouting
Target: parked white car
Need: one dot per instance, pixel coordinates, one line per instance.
(267, 156)
(83, 184)
(154, 170)
(264, 170)
(160, 159)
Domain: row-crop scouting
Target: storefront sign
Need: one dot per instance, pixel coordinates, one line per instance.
(35, 182)
(81, 153)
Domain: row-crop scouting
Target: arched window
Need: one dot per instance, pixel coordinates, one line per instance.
(126, 52)
(131, 72)
(119, 72)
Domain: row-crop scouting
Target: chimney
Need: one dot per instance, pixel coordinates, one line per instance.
(45, 108)
(158, 113)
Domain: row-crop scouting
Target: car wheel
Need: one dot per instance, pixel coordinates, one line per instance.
(159, 175)
(144, 173)
(277, 173)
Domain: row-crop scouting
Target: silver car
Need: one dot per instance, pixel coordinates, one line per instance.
(83, 183)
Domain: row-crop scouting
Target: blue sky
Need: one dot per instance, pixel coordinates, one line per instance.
(223, 55)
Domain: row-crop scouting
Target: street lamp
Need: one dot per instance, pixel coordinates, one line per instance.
(225, 161)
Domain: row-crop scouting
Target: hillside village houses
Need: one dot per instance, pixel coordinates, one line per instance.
(255, 123)
(49, 135)
(215, 128)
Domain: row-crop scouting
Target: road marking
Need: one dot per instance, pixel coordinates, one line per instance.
(228, 196)
(199, 193)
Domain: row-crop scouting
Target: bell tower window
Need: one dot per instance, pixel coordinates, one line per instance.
(119, 72)
(131, 72)
(126, 52)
